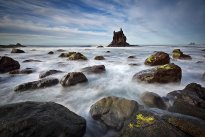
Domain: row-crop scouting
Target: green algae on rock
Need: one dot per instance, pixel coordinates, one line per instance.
(178, 54)
(158, 58)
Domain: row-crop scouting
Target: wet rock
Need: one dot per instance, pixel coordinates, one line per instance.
(40, 119)
(73, 78)
(199, 62)
(99, 58)
(131, 57)
(203, 77)
(178, 54)
(14, 50)
(100, 46)
(153, 100)
(31, 60)
(61, 50)
(43, 83)
(48, 73)
(203, 50)
(134, 64)
(161, 74)
(50, 52)
(119, 39)
(113, 111)
(108, 51)
(23, 71)
(94, 69)
(8, 64)
(66, 54)
(158, 58)
(77, 56)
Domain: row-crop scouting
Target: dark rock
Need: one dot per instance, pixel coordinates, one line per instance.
(178, 54)
(40, 119)
(158, 58)
(161, 74)
(131, 57)
(192, 43)
(61, 50)
(113, 111)
(77, 56)
(48, 73)
(119, 39)
(73, 78)
(31, 60)
(203, 77)
(153, 100)
(12, 45)
(14, 50)
(99, 58)
(108, 51)
(199, 62)
(66, 54)
(100, 46)
(43, 83)
(8, 64)
(94, 69)
(134, 64)
(203, 50)
(23, 71)
(50, 52)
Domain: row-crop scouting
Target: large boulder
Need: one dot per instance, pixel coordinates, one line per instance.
(40, 119)
(161, 74)
(73, 78)
(153, 100)
(77, 56)
(119, 39)
(8, 64)
(178, 54)
(113, 111)
(94, 69)
(48, 73)
(14, 50)
(43, 83)
(23, 71)
(158, 58)
(99, 58)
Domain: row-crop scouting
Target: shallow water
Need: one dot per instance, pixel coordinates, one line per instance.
(115, 82)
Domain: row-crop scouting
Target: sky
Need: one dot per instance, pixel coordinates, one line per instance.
(82, 22)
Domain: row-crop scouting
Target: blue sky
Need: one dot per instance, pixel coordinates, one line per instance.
(78, 22)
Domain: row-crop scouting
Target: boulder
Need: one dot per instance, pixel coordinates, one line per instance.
(50, 52)
(99, 58)
(8, 64)
(43, 83)
(113, 111)
(178, 54)
(77, 56)
(48, 73)
(40, 119)
(73, 78)
(161, 74)
(66, 54)
(119, 39)
(14, 50)
(153, 100)
(158, 58)
(100, 46)
(31, 60)
(94, 69)
(131, 57)
(108, 51)
(23, 71)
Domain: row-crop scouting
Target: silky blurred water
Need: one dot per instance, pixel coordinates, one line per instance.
(117, 81)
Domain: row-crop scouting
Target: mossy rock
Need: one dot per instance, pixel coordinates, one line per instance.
(178, 54)
(158, 58)
(99, 58)
(77, 56)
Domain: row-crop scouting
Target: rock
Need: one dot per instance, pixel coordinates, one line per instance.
(177, 54)
(199, 62)
(161, 74)
(12, 45)
(134, 64)
(158, 58)
(48, 73)
(108, 51)
(40, 119)
(131, 57)
(153, 100)
(50, 52)
(73, 78)
(61, 50)
(43, 83)
(77, 56)
(203, 77)
(31, 60)
(189, 101)
(14, 50)
(23, 71)
(203, 50)
(100, 46)
(113, 111)
(66, 54)
(99, 58)
(119, 39)
(94, 69)
(8, 64)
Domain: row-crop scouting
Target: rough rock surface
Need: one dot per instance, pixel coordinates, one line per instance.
(99, 58)
(119, 39)
(40, 119)
(8, 64)
(77, 56)
(94, 69)
(73, 78)
(23, 71)
(43, 83)
(158, 58)
(178, 54)
(161, 74)
(14, 50)
(48, 73)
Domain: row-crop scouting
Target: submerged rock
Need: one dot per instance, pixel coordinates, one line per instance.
(158, 58)
(73, 78)
(49, 72)
(50, 52)
(31, 60)
(178, 54)
(94, 69)
(161, 74)
(8, 64)
(119, 39)
(99, 58)
(23, 71)
(14, 50)
(40, 119)
(43, 83)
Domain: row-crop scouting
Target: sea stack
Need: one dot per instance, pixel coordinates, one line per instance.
(119, 39)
